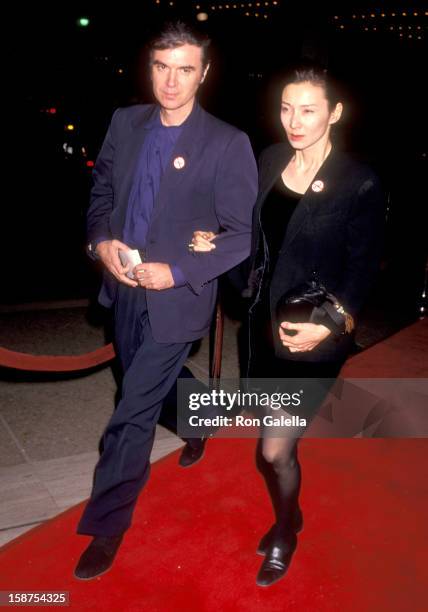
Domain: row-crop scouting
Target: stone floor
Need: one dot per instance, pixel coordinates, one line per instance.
(50, 425)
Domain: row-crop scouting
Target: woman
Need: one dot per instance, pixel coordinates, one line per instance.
(318, 217)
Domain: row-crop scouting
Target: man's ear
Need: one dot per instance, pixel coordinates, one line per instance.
(336, 114)
(205, 73)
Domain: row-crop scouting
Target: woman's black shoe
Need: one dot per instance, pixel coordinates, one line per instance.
(265, 540)
(277, 560)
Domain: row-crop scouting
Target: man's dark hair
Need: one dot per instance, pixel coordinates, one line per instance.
(178, 33)
(308, 71)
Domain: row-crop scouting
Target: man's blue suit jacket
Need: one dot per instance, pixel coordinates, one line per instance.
(215, 190)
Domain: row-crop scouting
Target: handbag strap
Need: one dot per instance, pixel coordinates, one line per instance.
(216, 343)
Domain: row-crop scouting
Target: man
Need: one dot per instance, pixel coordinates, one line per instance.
(164, 171)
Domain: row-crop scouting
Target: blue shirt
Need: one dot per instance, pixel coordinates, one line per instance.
(154, 157)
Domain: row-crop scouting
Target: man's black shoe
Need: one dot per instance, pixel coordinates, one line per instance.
(192, 452)
(98, 557)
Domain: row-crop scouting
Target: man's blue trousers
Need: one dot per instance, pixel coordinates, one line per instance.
(150, 370)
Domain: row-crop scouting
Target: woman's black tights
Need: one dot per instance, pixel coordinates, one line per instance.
(277, 461)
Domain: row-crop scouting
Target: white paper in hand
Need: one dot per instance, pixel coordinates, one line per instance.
(131, 257)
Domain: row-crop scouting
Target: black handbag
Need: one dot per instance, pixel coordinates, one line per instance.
(310, 302)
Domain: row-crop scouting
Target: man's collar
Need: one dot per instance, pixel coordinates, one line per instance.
(154, 119)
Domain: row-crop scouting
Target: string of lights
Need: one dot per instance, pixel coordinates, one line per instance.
(206, 9)
(405, 23)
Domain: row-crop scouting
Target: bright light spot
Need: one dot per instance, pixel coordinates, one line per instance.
(83, 22)
(90, 163)
(202, 16)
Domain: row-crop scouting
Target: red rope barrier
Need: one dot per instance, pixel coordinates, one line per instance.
(74, 363)
(55, 363)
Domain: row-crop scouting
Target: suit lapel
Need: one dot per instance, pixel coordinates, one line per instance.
(134, 143)
(269, 173)
(269, 170)
(312, 200)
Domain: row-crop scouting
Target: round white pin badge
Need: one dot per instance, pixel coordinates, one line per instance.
(179, 163)
(317, 186)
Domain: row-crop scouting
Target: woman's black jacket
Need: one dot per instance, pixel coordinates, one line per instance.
(334, 234)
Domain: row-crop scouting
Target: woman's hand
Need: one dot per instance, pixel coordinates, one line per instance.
(308, 336)
(201, 241)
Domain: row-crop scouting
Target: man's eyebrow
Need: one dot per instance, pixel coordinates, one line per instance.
(187, 67)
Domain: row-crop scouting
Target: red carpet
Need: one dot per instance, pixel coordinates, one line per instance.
(403, 355)
(192, 544)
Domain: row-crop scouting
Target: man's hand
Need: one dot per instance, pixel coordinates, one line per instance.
(308, 336)
(108, 252)
(156, 276)
(202, 241)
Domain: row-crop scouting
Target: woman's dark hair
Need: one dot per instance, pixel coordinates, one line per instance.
(178, 33)
(311, 72)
